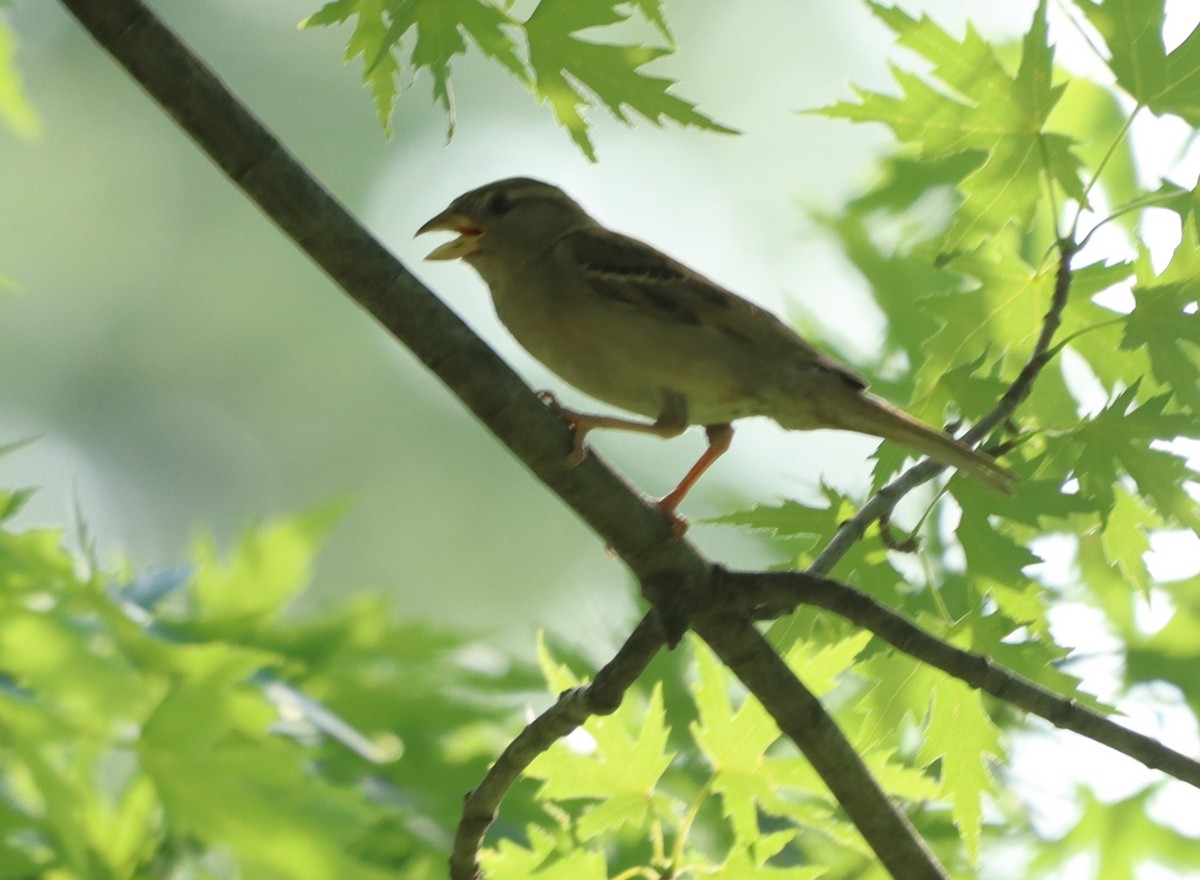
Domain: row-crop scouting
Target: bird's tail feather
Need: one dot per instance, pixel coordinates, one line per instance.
(870, 415)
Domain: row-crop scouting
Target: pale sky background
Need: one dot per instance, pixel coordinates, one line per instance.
(184, 366)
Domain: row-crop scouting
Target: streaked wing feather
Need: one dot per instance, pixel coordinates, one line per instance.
(636, 276)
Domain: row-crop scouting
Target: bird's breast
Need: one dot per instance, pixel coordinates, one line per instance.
(625, 358)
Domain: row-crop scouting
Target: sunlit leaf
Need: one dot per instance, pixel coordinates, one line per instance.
(563, 62)
(1133, 30)
(977, 107)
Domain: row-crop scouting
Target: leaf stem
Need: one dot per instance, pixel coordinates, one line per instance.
(1067, 340)
(1100, 166)
(685, 826)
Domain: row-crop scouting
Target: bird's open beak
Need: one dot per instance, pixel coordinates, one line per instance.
(449, 221)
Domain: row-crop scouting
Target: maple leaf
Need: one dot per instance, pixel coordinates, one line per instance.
(1118, 440)
(619, 773)
(440, 27)
(962, 736)
(565, 65)
(370, 41)
(999, 116)
(1133, 30)
(1164, 321)
(569, 72)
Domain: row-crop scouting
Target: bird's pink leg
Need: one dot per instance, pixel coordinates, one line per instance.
(719, 438)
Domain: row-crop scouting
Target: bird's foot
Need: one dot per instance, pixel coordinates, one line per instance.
(577, 422)
(679, 525)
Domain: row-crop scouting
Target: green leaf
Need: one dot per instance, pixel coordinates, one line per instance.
(45, 654)
(1126, 541)
(1039, 659)
(619, 767)
(440, 25)
(1095, 332)
(1184, 202)
(220, 775)
(744, 864)
(734, 744)
(1001, 313)
(1165, 322)
(559, 676)
(1133, 31)
(1118, 440)
(370, 39)
(880, 231)
(1121, 837)
(611, 73)
(790, 519)
(999, 116)
(1169, 655)
(962, 736)
(822, 665)
(652, 11)
(996, 561)
(571, 73)
(63, 804)
(271, 566)
(511, 861)
(11, 502)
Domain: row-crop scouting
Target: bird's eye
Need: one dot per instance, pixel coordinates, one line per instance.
(499, 204)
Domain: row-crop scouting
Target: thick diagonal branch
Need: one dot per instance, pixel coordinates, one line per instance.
(805, 721)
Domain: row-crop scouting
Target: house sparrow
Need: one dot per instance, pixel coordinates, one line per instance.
(632, 327)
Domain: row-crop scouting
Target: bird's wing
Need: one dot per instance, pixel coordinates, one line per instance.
(633, 275)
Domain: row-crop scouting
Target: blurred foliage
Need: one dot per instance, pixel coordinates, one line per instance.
(181, 723)
(542, 50)
(15, 109)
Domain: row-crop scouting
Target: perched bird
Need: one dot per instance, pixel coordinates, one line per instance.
(632, 327)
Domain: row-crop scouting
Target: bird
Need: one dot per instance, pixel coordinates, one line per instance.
(634, 328)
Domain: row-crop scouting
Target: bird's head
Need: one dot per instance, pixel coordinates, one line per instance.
(508, 221)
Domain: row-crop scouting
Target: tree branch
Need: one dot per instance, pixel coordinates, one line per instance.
(773, 594)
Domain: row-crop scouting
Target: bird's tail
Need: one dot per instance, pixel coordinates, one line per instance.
(870, 415)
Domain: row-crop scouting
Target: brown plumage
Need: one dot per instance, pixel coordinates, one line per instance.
(632, 327)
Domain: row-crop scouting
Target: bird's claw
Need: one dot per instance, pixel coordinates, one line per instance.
(548, 398)
(573, 421)
(679, 525)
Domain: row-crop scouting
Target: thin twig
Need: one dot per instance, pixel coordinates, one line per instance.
(906, 544)
(885, 500)
(573, 707)
(773, 594)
